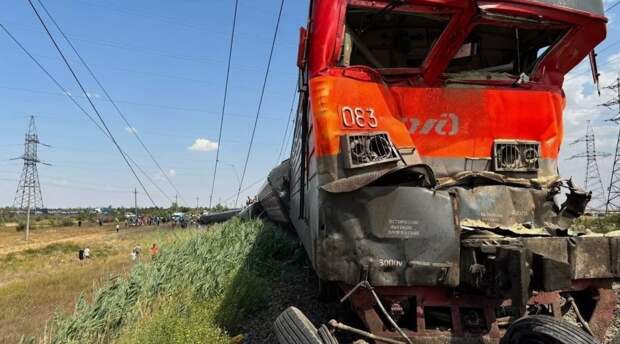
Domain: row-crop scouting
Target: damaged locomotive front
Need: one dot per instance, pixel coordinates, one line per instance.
(425, 164)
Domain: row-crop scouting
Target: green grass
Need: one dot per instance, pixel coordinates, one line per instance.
(603, 224)
(178, 321)
(66, 249)
(200, 286)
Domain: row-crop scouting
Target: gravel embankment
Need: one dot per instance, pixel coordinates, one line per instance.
(295, 287)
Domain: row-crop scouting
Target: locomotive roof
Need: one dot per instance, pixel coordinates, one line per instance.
(592, 6)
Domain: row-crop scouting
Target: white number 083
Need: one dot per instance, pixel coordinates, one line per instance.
(358, 117)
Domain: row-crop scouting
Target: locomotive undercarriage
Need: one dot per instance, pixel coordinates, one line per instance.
(523, 262)
(461, 259)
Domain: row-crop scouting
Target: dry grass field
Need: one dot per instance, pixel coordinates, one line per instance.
(44, 276)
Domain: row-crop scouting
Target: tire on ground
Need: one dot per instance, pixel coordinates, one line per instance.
(546, 329)
(326, 336)
(293, 327)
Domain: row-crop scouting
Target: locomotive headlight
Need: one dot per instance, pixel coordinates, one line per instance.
(368, 149)
(516, 156)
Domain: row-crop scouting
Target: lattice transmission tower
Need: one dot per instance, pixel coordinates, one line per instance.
(28, 195)
(593, 181)
(613, 193)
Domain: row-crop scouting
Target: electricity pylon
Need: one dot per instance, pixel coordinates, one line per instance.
(28, 195)
(593, 181)
(613, 193)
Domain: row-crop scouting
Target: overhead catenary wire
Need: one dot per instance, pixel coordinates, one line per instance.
(288, 122)
(118, 110)
(574, 76)
(219, 137)
(83, 89)
(260, 102)
(65, 92)
(612, 6)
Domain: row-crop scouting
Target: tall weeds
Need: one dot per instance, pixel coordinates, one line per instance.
(227, 267)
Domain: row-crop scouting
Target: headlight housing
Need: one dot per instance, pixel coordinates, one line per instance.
(516, 156)
(367, 149)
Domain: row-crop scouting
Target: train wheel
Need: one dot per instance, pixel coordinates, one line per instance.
(541, 329)
(293, 327)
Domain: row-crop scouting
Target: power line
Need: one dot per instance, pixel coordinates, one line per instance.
(77, 80)
(118, 110)
(613, 194)
(253, 184)
(219, 137)
(260, 103)
(65, 92)
(160, 106)
(288, 122)
(585, 71)
(593, 181)
(611, 7)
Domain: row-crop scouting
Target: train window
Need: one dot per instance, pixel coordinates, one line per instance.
(382, 39)
(500, 49)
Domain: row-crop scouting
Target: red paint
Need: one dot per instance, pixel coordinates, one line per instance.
(487, 110)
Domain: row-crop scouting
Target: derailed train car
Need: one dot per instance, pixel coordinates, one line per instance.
(423, 178)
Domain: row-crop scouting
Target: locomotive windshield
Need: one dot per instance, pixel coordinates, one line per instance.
(402, 40)
(501, 49)
(389, 40)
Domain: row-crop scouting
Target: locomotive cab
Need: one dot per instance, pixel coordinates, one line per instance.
(425, 163)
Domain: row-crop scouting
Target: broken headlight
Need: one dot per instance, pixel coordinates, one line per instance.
(368, 149)
(516, 156)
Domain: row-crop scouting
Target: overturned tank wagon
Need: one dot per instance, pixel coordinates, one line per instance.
(423, 177)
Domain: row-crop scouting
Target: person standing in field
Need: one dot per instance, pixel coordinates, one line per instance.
(81, 256)
(118, 227)
(135, 253)
(154, 251)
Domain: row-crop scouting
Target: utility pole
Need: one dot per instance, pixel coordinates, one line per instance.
(135, 200)
(28, 195)
(197, 201)
(613, 193)
(593, 181)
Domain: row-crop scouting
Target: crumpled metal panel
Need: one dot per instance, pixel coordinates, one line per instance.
(397, 235)
(273, 195)
(594, 257)
(523, 211)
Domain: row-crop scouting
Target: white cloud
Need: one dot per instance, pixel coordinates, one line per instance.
(203, 145)
(93, 95)
(131, 130)
(171, 173)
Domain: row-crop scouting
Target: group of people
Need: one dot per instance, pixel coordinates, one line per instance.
(137, 250)
(84, 253)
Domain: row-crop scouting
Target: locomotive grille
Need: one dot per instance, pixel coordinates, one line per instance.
(516, 156)
(369, 149)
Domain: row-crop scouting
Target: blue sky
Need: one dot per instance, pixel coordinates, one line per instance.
(164, 62)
